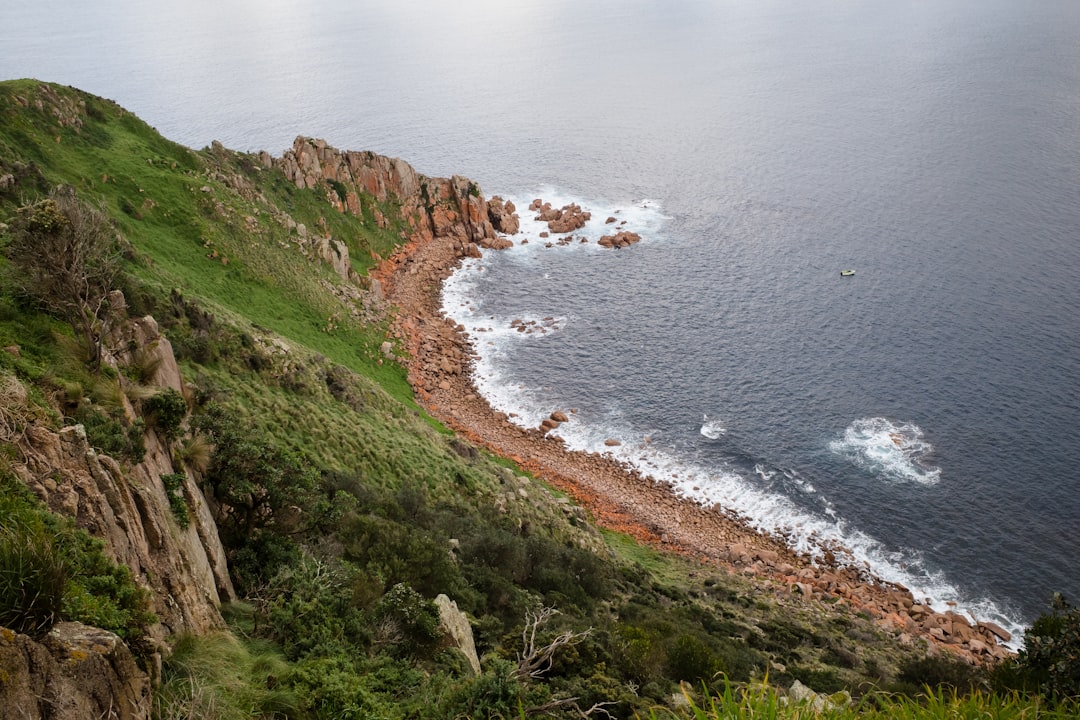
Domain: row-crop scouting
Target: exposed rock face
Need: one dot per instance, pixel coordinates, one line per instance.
(456, 626)
(430, 207)
(76, 671)
(503, 216)
(129, 508)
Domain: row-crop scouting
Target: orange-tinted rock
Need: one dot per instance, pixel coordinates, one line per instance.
(996, 630)
(502, 216)
(619, 240)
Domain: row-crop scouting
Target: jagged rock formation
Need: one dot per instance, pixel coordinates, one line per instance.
(430, 207)
(560, 220)
(503, 216)
(129, 508)
(76, 671)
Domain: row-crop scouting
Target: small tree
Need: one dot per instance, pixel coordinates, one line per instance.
(1049, 662)
(65, 255)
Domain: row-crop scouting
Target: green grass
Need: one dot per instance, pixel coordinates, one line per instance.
(218, 677)
(764, 702)
(202, 242)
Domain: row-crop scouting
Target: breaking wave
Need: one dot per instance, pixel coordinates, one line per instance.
(895, 451)
(713, 428)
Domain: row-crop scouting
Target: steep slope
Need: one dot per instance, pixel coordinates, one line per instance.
(313, 487)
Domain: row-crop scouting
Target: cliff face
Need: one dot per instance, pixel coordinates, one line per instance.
(431, 207)
(128, 507)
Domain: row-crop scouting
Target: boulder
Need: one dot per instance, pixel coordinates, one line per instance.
(76, 671)
(621, 239)
(455, 626)
(996, 630)
(559, 416)
(503, 216)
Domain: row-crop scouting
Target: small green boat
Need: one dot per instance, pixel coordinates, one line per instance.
(846, 273)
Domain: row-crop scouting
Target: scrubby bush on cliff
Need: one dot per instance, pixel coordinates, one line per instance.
(165, 411)
(51, 571)
(1049, 662)
(65, 255)
(254, 484)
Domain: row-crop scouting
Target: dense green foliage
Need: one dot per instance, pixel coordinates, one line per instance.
(165, 412)
(1049, 662)
(50, 571)
(344, 510)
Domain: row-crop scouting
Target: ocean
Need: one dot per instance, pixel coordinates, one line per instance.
(920, 417)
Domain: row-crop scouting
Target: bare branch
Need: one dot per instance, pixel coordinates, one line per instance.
(65, 254)
(535, 660)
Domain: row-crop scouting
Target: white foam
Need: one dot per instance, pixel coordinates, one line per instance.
(713, 428)
(643, 216)
(893, 450)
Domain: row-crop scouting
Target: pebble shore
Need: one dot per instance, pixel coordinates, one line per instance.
(439, 369)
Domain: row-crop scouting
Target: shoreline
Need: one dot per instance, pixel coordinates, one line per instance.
(620, 498)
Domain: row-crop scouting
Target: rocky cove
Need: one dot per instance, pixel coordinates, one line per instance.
(438, 359)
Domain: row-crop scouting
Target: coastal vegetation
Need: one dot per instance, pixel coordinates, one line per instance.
(346, 514)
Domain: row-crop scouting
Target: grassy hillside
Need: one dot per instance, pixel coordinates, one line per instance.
(345, 510)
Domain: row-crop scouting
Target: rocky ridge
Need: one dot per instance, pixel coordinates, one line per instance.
(431, 207)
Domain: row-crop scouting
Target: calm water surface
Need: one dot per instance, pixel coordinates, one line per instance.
(924, 413)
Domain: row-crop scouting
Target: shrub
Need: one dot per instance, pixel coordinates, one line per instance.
(690, 658)
(65, 255)
(1049, 662)
(109, 435)
(174, 489)
(407, 621)
(51, 571)
(165, 412)
(940, 671)
(33, 576)
(256, 485)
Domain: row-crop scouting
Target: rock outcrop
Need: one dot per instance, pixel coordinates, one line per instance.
(128, 507)
(76, 671)
(503, 216)
(428, 207)
(619, 240)
(560, 220)
(455, 625)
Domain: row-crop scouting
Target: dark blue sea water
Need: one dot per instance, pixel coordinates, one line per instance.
(923, 413)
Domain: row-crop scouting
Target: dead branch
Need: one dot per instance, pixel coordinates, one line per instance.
(534, 660)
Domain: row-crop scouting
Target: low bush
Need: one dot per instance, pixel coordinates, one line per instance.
(174, 489)
(165, 412)
(1049, 662)
(109, 435)
(51, 571)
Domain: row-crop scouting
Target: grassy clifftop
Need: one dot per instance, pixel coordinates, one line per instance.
(344, 509)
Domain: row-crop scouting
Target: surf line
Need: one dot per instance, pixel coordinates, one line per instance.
(619, 497)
